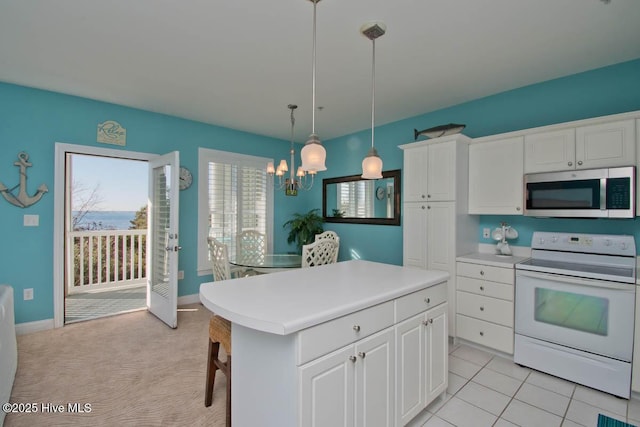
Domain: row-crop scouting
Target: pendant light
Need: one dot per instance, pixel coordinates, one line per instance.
(372, 164)
(313, 153)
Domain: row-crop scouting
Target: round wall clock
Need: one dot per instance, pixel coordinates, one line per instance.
(380, 193)
(186, 179)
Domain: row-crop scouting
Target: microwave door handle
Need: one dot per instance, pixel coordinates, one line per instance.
(603, 194)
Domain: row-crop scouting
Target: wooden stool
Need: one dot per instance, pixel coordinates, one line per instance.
(219, 333)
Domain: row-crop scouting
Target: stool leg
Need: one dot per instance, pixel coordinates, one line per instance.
(228, 390)
(214, 347)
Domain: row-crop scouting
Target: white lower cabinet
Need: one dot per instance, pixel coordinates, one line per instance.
(383, 379)
(484, 310)
(422, 362)
(351, 386)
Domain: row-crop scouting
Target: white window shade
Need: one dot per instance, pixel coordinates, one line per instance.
(236, 197)
(356, 199)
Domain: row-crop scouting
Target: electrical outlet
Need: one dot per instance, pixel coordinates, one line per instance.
(28, 294)
(485, 232)
(180, 274)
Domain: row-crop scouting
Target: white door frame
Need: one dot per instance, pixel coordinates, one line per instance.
(61, 150)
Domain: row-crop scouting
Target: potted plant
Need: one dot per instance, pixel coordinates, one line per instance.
(304, 227)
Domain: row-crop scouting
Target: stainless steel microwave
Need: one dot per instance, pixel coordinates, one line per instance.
(587, 193)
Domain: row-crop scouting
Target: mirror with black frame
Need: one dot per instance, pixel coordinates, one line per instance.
(352, 199)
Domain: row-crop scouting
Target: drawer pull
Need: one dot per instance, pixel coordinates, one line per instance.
(427, 300)
(481, 272)
(362, 354)
(356, 328)
(352, 358)
(482, 288)
(481, 308)
(481, 333)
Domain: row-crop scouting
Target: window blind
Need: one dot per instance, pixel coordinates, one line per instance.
(355, 199)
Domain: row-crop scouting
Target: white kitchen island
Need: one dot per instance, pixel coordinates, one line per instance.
(351, 343)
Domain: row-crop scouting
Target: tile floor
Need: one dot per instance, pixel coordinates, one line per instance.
(489, 390)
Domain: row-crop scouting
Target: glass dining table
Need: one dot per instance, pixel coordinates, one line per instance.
(267, 263)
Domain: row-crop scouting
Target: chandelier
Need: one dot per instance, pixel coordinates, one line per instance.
(294, 182)
(372, 163)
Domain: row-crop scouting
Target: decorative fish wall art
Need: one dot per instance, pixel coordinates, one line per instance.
(438, 131)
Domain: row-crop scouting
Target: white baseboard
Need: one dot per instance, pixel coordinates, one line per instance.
(189, 299)
(37, 326)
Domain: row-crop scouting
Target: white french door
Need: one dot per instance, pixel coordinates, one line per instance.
(162, 241)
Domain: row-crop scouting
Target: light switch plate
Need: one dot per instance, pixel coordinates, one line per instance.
(31, 220)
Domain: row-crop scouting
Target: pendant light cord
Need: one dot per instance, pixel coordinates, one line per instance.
(373, 90)
(313, 73)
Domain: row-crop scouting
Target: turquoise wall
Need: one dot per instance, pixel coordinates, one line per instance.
(33, 120)
(600, 92)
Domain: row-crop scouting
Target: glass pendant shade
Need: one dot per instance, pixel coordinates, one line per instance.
(313, 155)
(372, 165)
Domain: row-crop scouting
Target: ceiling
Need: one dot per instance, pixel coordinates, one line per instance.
(238, 63)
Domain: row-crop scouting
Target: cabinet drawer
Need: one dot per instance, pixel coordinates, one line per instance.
(486, 288)
(484, 333)
(485, 272)
(485, 308)
(420, 301)
(326, 337)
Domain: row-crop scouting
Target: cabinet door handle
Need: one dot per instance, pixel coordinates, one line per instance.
(428, 196)
(362, 354)
(481, 333)
(481, 308)
(427, 300)
(518, 208)
(482, 288)
(570, 164)
(423, 196)
(579, 162)
(481, 273)
(422, 206)
(429, 207)
(430, 321)
(352, 358)
(427, 322)
(356, 328)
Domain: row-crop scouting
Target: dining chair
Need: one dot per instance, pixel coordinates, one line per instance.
(219, 329)
(330, 235)
(319, 252)
(251, 244)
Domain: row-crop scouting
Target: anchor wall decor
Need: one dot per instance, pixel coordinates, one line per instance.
(22, 200)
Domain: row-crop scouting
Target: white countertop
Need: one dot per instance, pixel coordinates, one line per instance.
(287, 302)
(491, 259)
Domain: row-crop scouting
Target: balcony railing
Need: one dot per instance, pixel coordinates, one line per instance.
(105, 259)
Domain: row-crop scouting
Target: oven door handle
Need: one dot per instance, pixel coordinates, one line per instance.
(577, 281)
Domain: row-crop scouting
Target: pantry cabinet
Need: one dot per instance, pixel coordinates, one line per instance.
(435, 224)
(583, 147)
(495, 176)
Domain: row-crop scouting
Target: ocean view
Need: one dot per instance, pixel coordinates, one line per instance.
(106, 220)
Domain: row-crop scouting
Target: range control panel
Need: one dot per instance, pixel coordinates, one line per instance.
(606, 244)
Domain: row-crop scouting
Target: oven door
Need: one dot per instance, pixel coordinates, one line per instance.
(596, 316)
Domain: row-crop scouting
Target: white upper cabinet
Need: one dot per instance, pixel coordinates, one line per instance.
(495, 176)
(430, 172)
(606, 145)
(584, 147)
(550, 151)
(415, 176)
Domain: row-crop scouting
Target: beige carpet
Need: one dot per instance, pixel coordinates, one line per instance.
(132, 369)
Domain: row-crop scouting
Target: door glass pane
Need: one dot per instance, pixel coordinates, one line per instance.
(574, 311)
(160, 221)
